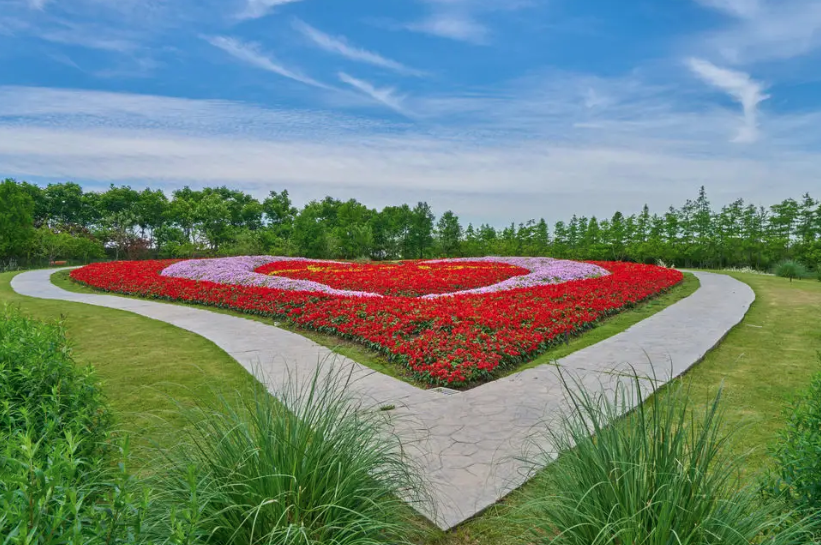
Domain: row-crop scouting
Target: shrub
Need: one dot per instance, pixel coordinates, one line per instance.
(791, 269)
(57, 482)
(798, 451)
(320, 471)
(659, 475)
(42, 391)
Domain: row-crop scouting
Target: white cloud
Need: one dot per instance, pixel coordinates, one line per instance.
(340, 46)
(252, 54)
(524, 158)
(738, 85)
(254, 9)
(37, 4)
(456, 26)
(740, 8)
(386, 96)
(83, 37)
(458, 19)
(765, 30)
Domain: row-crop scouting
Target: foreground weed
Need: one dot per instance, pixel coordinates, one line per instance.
(311, 468)
(659, 475)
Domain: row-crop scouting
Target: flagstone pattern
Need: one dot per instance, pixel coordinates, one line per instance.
(470, 445)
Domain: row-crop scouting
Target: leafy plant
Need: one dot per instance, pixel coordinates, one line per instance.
(798, 451)
(42, 390)
(791, 269)
(57, 482)
(312, 469)
(659, 475)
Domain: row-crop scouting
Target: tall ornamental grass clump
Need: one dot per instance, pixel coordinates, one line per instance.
(791, 269)
(58, 480)
(659, 475)
(797, 454)
(311, 468)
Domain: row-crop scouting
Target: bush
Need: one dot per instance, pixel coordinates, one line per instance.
(798, 451)
(57, 482)
(791, 269)
(659, 475)
(319, 472)
(313, 469)
(41, 388)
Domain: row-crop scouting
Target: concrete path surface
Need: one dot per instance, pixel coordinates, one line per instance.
(469, 445)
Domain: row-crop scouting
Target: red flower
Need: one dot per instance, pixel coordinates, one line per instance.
(450, 340)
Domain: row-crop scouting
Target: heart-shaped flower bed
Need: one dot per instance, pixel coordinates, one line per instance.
(452, 338)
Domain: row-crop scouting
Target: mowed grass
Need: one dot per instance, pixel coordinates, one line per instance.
(765, 361)
(762, 364)
(146, 366)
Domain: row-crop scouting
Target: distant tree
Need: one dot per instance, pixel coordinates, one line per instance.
(449, 233)
(211, 213)
(64, 203)
(16, 219)
(420, 232)
(150, 210)
(311, 237)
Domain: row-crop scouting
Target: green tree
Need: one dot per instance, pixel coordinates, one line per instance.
(311, 237)
(211, 212)
(151, 208)
(16, 219)
(420, 231)
(449, 233)
(64, 204)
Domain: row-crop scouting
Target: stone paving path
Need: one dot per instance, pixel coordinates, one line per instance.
(469, 444)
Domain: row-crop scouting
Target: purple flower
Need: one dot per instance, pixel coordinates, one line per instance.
(543, 271)
(240, 270)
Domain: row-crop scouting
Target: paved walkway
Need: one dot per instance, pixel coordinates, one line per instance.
(468, 444)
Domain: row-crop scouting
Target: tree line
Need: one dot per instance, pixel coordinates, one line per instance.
(61, 221)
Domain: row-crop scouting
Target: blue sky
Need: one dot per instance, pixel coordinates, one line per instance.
(498, 109)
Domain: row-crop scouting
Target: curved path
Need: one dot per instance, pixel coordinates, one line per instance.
(468, 444)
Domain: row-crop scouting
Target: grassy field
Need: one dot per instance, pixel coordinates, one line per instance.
(146, 366)
(762, 363)
(606, 328)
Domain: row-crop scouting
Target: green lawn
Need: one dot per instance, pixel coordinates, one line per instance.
(378, 362)
(764, 361)
(146, 366)
(761, 364)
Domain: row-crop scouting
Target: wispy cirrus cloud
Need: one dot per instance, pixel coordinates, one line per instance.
(78, 35)
(254, 9)
(765, 30)
(455, 26)
(460, 19)
(251, 53)
(37, 4)
(740, 8)
(385, 95)
(636, 149)
(339, 45)
(740, 86)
